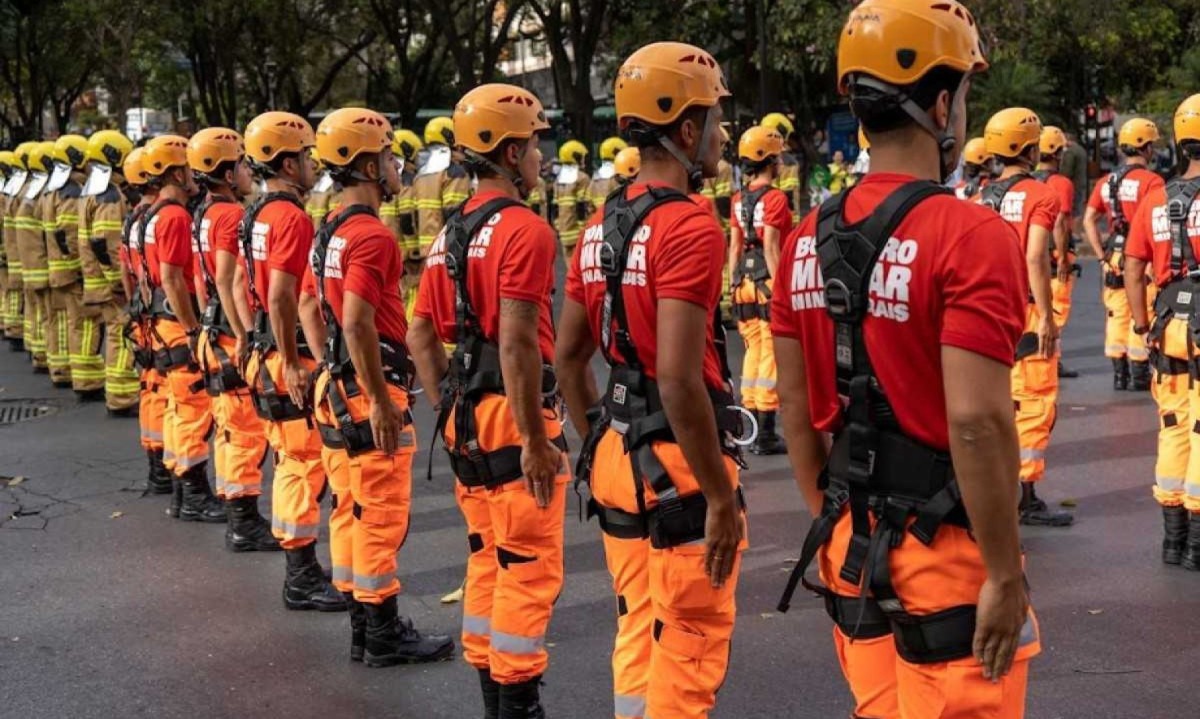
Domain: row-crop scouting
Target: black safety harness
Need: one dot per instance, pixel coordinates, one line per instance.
(1119, 230)
(398, 369)
(475, 366)
(143, 356)
(167, 358)
(752, 265)
(269, 403)
(1180, 299)
(214, 320)
(1043, 176)
(632, 405)
(874, 468)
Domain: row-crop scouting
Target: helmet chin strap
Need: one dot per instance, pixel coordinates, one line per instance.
(695, 168)
(513, 177)
(945, 138)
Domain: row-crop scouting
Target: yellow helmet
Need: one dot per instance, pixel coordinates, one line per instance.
(440, 130)
(572, 152)
(760, 143)
(41, 156)
(628, 163)
(71, 150)
(1011, 132)
(976, 152)
(1053, 139)
(8, 160)
(22, 154)
(406, 144)
(315, 154)
(108, 147)
(610, 147)
(780, 123)
(1137, 133)
(863, 142)
(1187, 120)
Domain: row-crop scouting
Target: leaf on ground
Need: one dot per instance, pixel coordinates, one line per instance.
(1068, 503)
(116, 515)
(14, 481)
(1094, 612)
(767, 615)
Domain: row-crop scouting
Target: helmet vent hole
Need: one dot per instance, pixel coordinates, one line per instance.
(343, 151)
(906, 58)
(486, 136)
(664, 104)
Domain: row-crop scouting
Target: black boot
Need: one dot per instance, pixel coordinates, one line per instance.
(1175, 534)
(1035, 513)
(1139, 377)
(16, 344)
(767, 442)
(491, 694)
(1191, 553)
(522, 701)
(176, 505)
(248, 530)
(392, 639)
(358, 626)
(158, 481)
(199, 504)
(1120, 373)
(91, 395)
(1065, 373)
(306, 587)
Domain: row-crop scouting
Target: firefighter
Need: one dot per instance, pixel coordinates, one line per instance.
(759, 222)
(1032, 208)
(31, 248)
(322, 196)
(152, 393)
(400, 213)
(441, 185)
(13, 300)
(101, 221)
(660, 457)
(719, 189)
(487, 288)
(789, 179)
(276, 239)
(605, 179)
(911, 378)
(1130, 184)
(7, 171)
(1064, 265)
(627, 165)
(572, 200)
(977, 169)
(1167, 242)
(216, 156)
(538, 200)
(362, 391)
(175, 328)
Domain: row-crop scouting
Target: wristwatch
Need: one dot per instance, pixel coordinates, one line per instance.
(1141, 329)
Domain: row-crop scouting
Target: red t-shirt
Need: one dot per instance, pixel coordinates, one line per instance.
(771, 211)
(218, 231)
(1029, 203)
(705, 203)
(678, 254)
(281, 240)
(169, 239)
(1151, 237)
(951, 275)
(1134, 188)
(1064, 190)
(510, 258)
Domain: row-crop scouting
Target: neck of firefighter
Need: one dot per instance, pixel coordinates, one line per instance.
(1193, 168)
(1014, 168)
(362, 193)
(663, 169)
(908, 151)
(499, 184)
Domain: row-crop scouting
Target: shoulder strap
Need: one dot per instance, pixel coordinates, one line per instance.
(1115, 179)
(144, 223)
(246, 238)
(750, 200)
(1181, 194)
(321, 246)
(993, 195)
(134, 216)
(210, 282)
(461, 228)
(1041, 175)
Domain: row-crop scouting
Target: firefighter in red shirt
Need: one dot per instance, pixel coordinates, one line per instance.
(362, 392)
(486, 287)
(175, 325)
(217, 158)
(1164, 236)
(899, 308)
(1064, 267)
(977, 169)
(661, 459)
(1032, 208)
(276, 239)
(760, 219)
(1129, 184)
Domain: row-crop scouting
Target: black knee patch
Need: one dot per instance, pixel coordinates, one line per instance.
(658, 627)
(506, 557)
(475, 542)
(357, 510)
(1170, 420)
(333, 501)
(1196, 427)
(622, 606)
(323, 492)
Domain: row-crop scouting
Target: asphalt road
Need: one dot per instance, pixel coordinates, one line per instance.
(109, 608)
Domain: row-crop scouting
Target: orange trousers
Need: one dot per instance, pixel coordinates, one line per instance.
(1060, 299)
(240, 440)
(152, 407)
(515, 565)
(189, 418)
(947, 573)
(758, 364)
(674, 629)
(1119, 337)
(372, 497)
(299, 477)
(1035, 399)
(1177, 466)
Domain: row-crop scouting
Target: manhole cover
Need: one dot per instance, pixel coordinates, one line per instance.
(14, 411)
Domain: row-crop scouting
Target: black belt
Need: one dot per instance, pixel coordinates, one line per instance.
(356, 437)
(171, 358)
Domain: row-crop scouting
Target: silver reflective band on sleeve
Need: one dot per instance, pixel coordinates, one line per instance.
(629, 706)
(1032, 454)
(296, 531)
(766, 383)
(1173, 484)
(373, 581)
(513, 644)
(479, 626)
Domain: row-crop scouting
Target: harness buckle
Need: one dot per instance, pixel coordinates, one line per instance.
(608, 259)
(839, 300)
(1177, 210)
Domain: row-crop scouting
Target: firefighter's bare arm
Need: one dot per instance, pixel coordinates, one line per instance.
(771, 242)
(1135, 287)
(175, 286)
(1062, 241)
(682, 334)
(226, 267)
(241, 303)
(127, 280)
(313, 325)
(805, 445)
(983, 446)
(1037, 259)
(521, 366)
(1091, 230)
(362, 343)
(284, 313)
(735, 248)
(429, 355)
(572, 357)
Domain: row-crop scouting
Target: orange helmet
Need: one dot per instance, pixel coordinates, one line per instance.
(212, 146)
(132, 169)
(760, 143)
(628, 163)
(660, 81)
(163, 153)
(349, 132)
(1137, 133)
(1053, 139)
(900, 41)
(1010, 132)
(1187, 120)
(976, 152)
(493, 113)
(272, 133)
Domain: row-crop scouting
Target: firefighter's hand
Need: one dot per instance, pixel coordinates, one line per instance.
(1047, 333)
(387, 422)
(540, 463)
(297, 379)
(240, 349)
(1002, 611)
(1064, 270)
(723, 532)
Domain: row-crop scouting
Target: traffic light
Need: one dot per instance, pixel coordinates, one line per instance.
(1089, 113)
